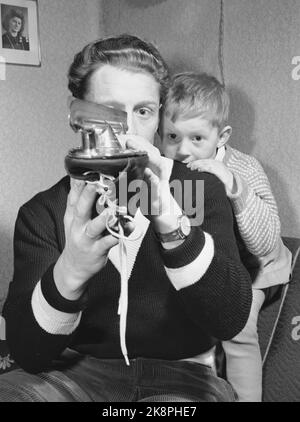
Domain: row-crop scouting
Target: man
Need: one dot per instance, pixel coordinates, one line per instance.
(187, 288)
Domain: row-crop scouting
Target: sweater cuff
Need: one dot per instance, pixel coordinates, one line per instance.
(193, 272)
(186, 252)
(56, 300)
(51, 320)
(239, 198)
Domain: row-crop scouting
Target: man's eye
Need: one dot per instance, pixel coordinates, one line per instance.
(197, 138)
(144, 112)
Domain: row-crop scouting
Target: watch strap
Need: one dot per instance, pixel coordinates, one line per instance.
(176, 234)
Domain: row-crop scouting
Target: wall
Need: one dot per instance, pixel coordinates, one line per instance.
(266, 97)
(261, 39)
(34, 132)
(185, 31)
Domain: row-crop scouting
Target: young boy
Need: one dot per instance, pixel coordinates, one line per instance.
(195, 131)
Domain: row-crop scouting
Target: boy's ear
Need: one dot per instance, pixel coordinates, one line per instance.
(224, 136)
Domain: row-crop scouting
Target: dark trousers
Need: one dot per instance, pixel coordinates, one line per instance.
(78, 378)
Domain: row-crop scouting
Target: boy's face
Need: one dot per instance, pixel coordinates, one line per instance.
(192, 139)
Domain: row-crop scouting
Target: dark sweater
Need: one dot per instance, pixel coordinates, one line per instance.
(162, 322)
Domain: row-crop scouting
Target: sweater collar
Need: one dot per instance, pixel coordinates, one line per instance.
(220, 154)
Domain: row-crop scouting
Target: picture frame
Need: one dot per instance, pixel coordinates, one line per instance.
(19, 38)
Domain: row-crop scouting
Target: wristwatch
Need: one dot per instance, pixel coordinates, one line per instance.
(182, 232)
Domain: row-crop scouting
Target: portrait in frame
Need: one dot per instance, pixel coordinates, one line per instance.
(19, 40)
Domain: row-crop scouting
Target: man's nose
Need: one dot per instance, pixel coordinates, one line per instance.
(131, 123)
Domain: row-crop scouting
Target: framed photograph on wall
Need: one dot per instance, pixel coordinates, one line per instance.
(19, 40)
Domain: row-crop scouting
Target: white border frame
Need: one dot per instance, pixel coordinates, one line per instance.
(33, 56)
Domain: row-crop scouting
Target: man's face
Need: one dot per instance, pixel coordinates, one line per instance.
(194, 139)
(14, 25)
(135, 93)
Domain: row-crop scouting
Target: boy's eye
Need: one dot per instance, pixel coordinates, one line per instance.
(197, 138)
(172, 136)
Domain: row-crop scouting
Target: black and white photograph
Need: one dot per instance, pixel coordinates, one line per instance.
(19, 32)
(149, 204)
(15, 34)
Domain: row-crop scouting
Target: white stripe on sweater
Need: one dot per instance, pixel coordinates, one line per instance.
(189, 274)
(49, 319)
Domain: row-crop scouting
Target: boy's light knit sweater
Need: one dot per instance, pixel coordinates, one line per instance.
(257, 217)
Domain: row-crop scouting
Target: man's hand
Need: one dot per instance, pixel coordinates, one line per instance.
(139, 143)
(87, 245)
(155, 175)
(164, 209)
(217, 168)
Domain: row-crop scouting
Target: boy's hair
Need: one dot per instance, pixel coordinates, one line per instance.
(125, 52)
(197, 94)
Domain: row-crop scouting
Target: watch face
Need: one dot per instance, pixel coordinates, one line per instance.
(185, 225)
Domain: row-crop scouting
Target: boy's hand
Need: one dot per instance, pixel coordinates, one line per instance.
(217, 168)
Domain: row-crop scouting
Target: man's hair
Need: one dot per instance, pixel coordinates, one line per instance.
(126, 52)
(13, 13)
(197, 94)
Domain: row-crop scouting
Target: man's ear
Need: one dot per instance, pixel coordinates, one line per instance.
(224, 136)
